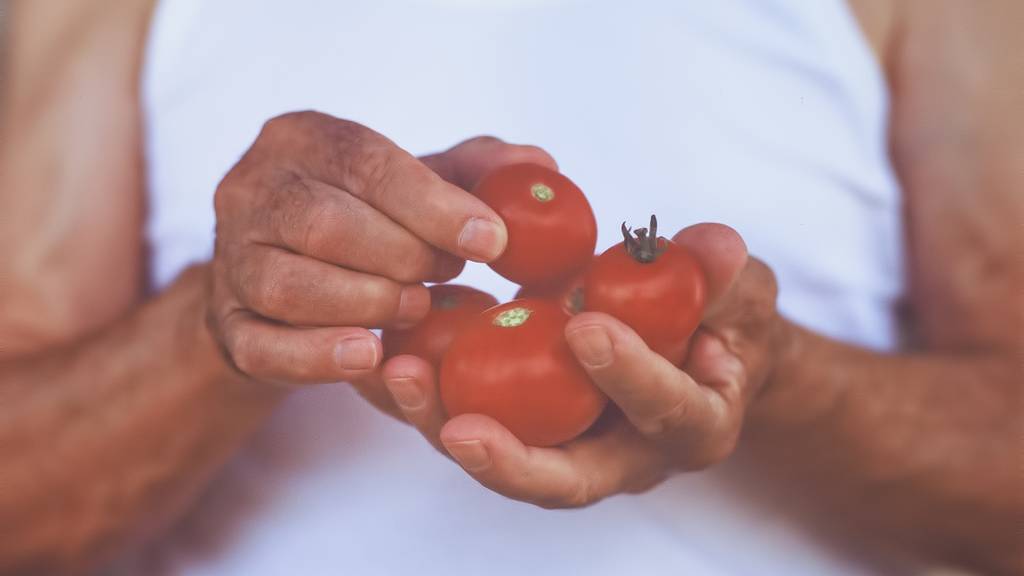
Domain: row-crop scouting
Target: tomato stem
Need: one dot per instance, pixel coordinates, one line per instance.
(644, 248)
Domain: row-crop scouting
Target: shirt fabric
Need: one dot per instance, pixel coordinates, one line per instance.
(767, 115)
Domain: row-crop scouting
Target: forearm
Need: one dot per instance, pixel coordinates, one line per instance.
(102, 442)
(71, 174)
(922, 448)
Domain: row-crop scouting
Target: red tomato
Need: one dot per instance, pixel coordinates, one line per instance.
(551, 228)
(451, 307)
(567, 293)
(512, 363)
(653, 285)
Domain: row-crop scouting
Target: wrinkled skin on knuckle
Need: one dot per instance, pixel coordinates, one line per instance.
(365, 158)
(579, 497)
(286, 212)
(377, 166)
(268, 292)
(661, 427)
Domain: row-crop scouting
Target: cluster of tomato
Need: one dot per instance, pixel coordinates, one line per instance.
(512, 361)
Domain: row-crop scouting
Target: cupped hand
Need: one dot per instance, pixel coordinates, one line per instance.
(326, 229)
(664, 418)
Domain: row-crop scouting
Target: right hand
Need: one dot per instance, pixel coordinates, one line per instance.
(325, 229)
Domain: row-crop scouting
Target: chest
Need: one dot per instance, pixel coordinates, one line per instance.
(771, 120)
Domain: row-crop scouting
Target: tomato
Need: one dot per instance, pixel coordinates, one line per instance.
(551, 228)
(512, 363)
(451, 307)
(567, 293)
(653, 285)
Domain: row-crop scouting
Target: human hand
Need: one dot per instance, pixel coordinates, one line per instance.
(664, 419)
(326, 229)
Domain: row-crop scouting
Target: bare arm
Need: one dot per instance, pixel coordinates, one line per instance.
(105, 441)
(111, 415)
(920, 449)
(926, 447)
(70, 169)
(114, 411)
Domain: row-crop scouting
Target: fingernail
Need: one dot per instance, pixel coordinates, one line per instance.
(470, 454)
(406, 393)
(592, 346)
(482, 240)
(356, 354)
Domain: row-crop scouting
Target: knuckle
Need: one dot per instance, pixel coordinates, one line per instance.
(527, 153)
(319, 231)
(305, 220)
(579, 494)
(375, 167)
(284, 123)
(662, 423)
(270, 293)
(228, 190)
(486, 140)
(763, 277)
(242, 350)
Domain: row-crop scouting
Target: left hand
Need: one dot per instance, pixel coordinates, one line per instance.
(664, 419)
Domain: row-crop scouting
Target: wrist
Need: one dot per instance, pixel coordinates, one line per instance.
(797, 388)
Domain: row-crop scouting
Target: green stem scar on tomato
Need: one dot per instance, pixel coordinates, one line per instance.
(552, 232)
(512, 318)
(542, 192)
(512, 363)
(653, 285)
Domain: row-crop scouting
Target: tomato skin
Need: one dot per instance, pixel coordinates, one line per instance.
(451, 307)
(567, 293)
(525, 376)
(552, 232)
(663, 300)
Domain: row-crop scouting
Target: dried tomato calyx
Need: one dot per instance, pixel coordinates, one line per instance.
(645, 248)
(512, 318)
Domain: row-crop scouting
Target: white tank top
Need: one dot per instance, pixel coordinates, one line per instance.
(768, 115)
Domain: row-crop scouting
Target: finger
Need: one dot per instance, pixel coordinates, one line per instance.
(748, 307)
(721, 252)
(318, 220)
(301, 291)
(278, 353)
(747, 324)
(371, 387)
(371, 167)
(466, 163)
(578, 475)
(712, 364)
(412, 384)
(661, 401)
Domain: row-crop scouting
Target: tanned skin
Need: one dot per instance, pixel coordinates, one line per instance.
(117, 406)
